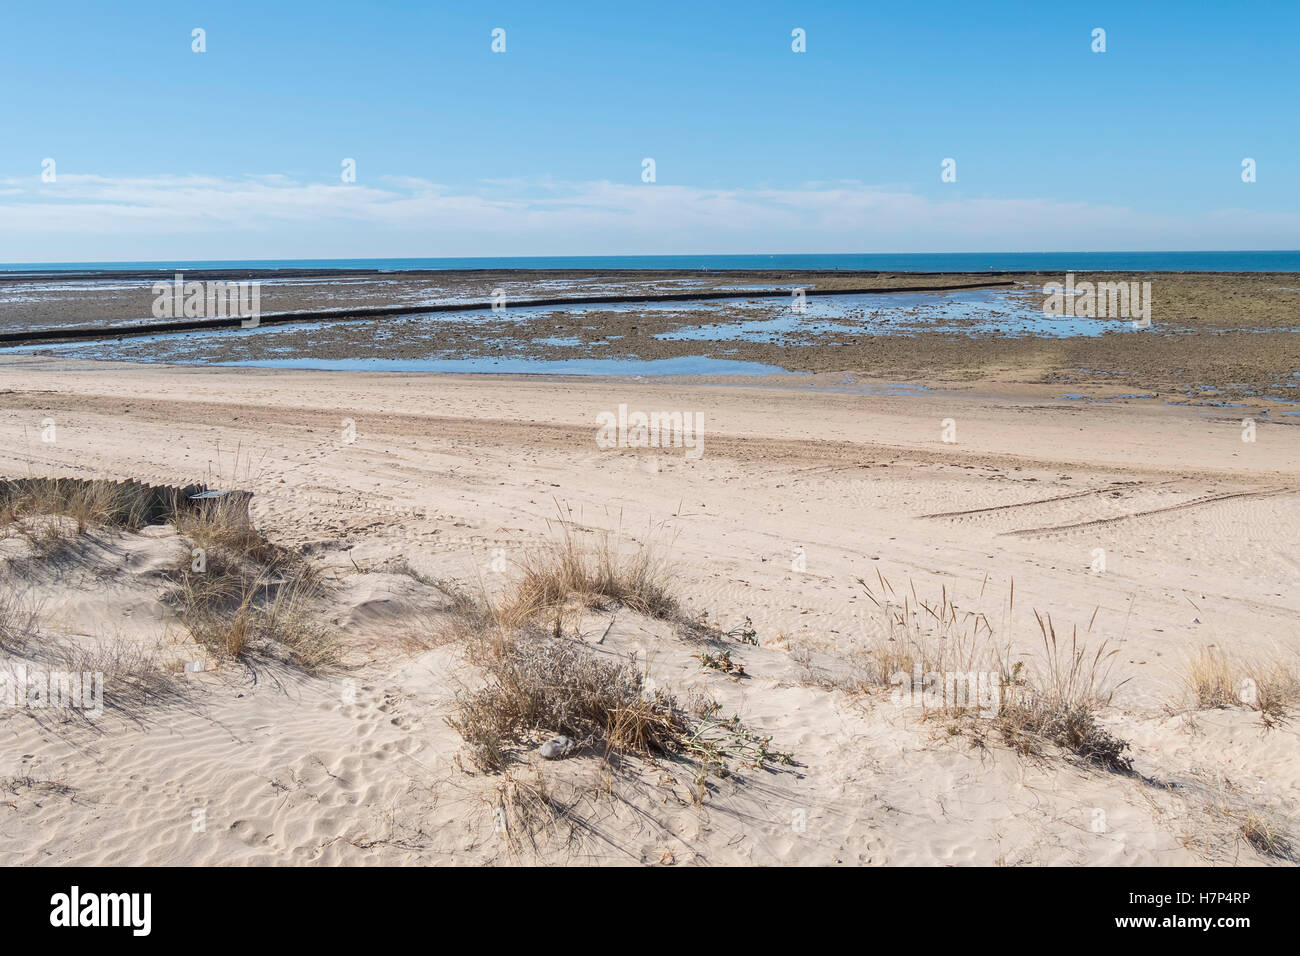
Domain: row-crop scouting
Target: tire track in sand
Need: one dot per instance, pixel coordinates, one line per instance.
(1202, 501)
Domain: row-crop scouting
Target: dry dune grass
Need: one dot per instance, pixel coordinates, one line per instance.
(19, 616)
(1060, 703)
(536, 683)
(530, 811)
(129, 674)
(239, 595)
(244, 600)
(1216, 678)
(223, 524)
(539, 682)
(1055, 699)
(103, 504)
(1209, 678)
(133, 678)
(50, 515)
(69, 507)
(562, 572)
(924, 636)
(1267, 835)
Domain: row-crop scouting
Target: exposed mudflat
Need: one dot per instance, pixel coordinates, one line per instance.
(1214, 337)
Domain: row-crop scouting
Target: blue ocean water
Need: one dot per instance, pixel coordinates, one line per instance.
(1262, 261)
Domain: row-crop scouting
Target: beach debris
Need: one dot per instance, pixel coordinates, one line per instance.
(556, 747)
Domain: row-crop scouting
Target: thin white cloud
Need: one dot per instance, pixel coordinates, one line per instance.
(86, 217)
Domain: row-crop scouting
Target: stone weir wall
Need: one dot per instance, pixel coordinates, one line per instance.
(131, 501)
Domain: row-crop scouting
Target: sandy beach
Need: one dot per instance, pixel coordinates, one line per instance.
(1153, 527)
(768, 439)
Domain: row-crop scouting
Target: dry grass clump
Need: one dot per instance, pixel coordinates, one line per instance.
(247, 598)
(562, 572)
(218, 607)
(293, 620)
(223, 524)
(113, 675)
(1276, 689)
(86, 503)
(133, 679)
(1056, 702)
(128, 674)
(924, 637)
(1266, 835)
(1245, 814)
(1061, 703)
(52, 514)
(524, 809)
(471, 620)
(245, 611)
(1214, 678)
(19, 617)
(1209, 677)
(48, 537)
(538, 684)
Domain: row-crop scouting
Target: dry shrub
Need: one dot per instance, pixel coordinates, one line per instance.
(541, 684)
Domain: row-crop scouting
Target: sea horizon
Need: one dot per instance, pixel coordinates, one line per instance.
(935, 262)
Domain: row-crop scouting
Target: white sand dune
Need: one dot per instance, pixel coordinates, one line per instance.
(797, 495)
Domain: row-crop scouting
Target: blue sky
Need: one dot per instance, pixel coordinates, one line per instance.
(161, 152)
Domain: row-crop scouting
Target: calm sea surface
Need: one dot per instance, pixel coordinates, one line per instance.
(1269, 261)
